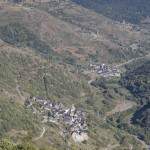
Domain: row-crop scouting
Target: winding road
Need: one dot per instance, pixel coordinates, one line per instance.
(19, 92)
(41, 135)
(121, 107)
(131, 60)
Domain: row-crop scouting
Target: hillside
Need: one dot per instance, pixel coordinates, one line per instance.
(137, 81)
(22, 72)
(90, 36)
(133, 11)
(47, 101)
(142, 116)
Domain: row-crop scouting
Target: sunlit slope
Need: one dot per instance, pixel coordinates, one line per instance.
(88, 36)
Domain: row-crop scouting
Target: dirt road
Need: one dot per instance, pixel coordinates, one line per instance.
(131, 60)
(121, 107)
(41, 135)
(19, 92)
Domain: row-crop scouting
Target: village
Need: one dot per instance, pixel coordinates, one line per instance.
(105, 71)
(57, 113)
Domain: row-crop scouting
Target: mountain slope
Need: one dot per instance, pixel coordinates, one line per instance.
(88, 36)
(130, 10)
(136, 80)
(22, 69)
(44, 51)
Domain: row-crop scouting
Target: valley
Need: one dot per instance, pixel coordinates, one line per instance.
(74, 76)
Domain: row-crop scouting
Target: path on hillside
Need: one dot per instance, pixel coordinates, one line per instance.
(90, 81)
(41, 135)
(19, 92)
(131, 60)
(142, 142)
(111, 147)
(93, 76)
(121, 107)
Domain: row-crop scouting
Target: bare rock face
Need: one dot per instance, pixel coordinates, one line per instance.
(78, 138)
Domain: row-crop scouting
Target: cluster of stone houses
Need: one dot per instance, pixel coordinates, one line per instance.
(55, 112)
(105, 70)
